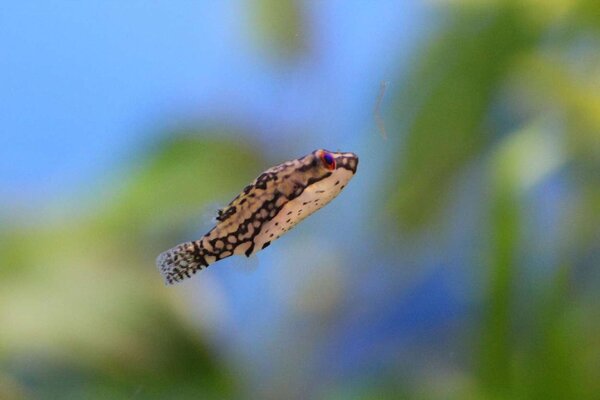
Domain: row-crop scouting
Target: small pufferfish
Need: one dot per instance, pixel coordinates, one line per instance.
(274, 203)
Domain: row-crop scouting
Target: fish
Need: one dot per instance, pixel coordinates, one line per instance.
(276, 201)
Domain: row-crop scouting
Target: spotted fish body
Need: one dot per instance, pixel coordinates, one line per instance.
(274, 203)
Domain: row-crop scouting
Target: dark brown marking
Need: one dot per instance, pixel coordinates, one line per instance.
(223, 215)
(309, 166)
(250, 249)
(317, 179)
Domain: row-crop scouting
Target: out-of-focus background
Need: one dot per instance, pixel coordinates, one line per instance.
(461, 261)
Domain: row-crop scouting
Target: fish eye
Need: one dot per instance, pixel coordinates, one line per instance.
(328, 160)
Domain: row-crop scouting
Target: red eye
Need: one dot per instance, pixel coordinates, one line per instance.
(328, 160)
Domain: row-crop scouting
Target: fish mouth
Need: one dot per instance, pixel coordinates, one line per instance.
(349, 161)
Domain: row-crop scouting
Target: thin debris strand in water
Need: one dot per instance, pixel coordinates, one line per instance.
(377, 112)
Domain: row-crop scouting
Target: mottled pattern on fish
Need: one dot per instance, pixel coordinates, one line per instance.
(277, 200)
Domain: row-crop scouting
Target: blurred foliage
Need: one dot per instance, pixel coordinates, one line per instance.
(508, 88)
(178, 176)
(447, 101)
(109, 327)
(280, 24)
(475, 99)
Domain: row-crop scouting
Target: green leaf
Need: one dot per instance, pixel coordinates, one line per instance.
(89, 312)
(280, 25)
(181, 175)
(446, 104)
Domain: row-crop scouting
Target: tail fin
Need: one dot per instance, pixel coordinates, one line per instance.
(181, 261)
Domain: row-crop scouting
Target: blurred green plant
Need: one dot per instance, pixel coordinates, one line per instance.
(109, 326)
(447, 101)
(280, 25)
(475, 99)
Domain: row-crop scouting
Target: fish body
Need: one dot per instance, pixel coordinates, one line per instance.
(275, 202)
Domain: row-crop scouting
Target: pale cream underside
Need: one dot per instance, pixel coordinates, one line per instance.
(296, 210)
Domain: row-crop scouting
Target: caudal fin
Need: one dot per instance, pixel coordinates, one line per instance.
(181, 262)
